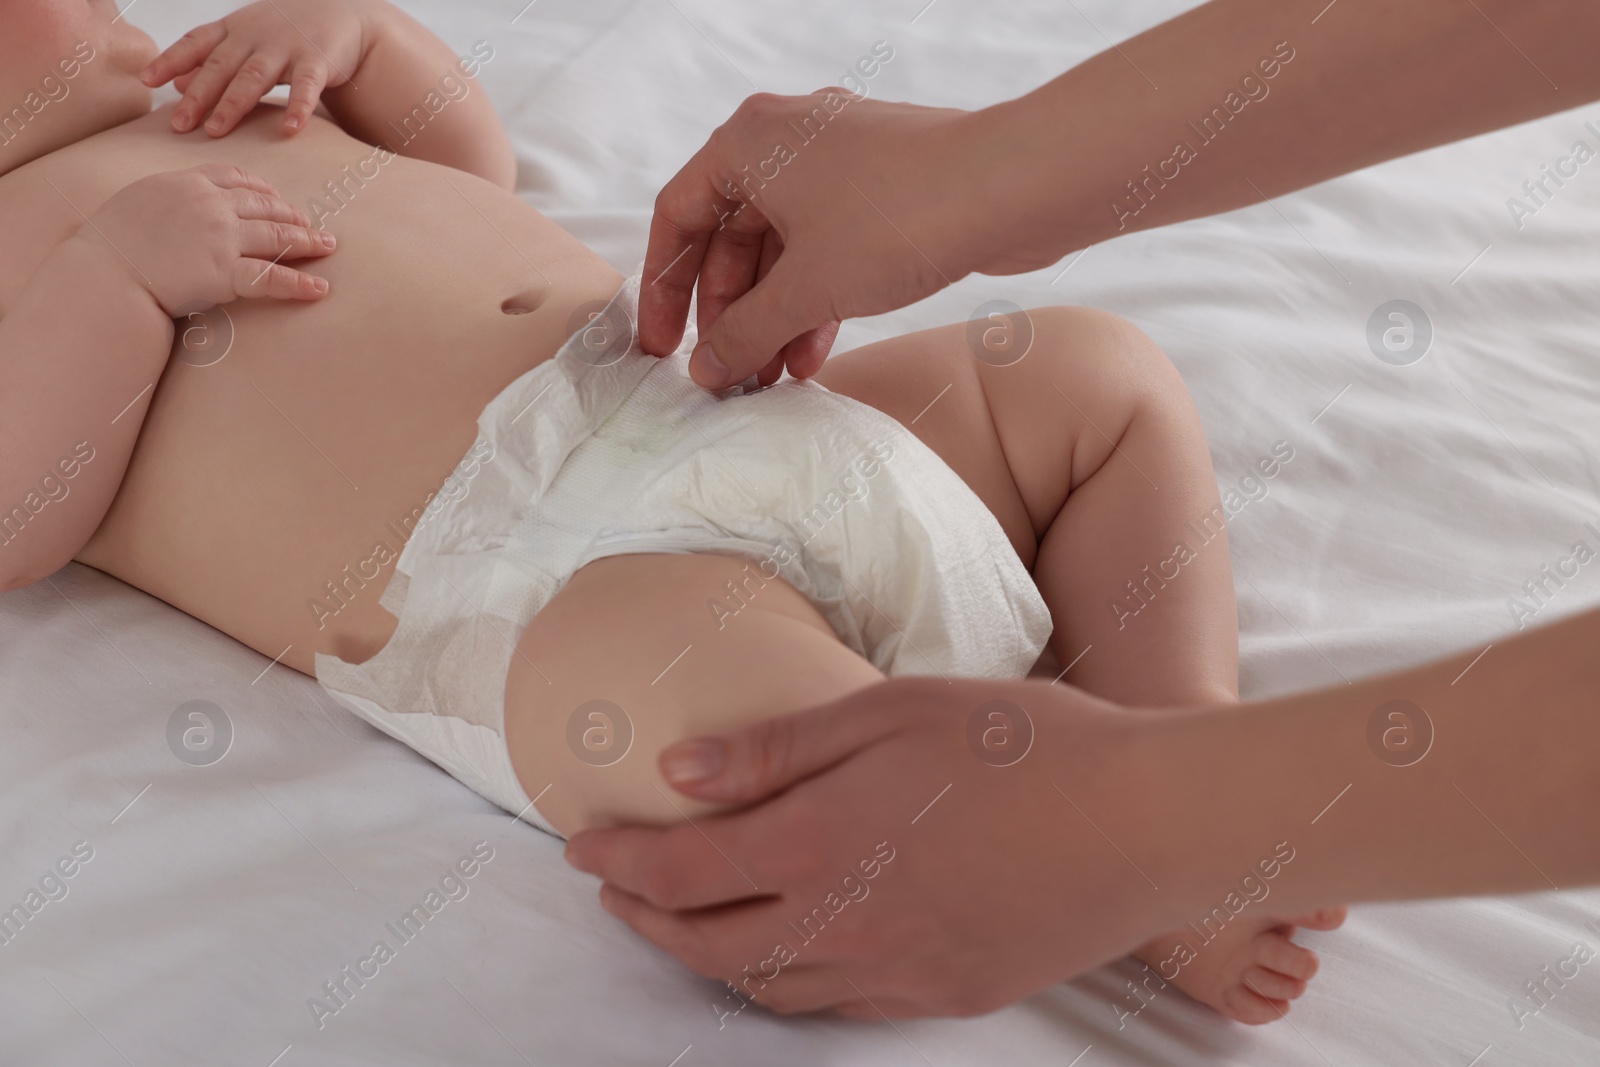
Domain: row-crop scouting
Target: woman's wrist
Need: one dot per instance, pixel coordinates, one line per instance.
(1469, 775)
(1022, 219)
(1237, 790)
(1130, 774)
(1045, 167)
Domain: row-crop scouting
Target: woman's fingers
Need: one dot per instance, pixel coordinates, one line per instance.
(771, 249)
(667, 870)
(688, 210)
(733, 257)
(805, 354)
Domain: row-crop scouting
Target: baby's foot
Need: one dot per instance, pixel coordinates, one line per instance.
(1248, 971)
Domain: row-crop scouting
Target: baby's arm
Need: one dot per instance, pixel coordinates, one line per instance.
(408, 74)
(80, 344)
(85, 342)
(382, 75)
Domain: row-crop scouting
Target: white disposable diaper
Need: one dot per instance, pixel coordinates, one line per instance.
(605, 450)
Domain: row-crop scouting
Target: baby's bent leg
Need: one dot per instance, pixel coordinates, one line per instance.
(643, 633)
(1134, 562)
(1089, 452)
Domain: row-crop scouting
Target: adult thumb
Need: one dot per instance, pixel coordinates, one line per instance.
(774, 754)
(751, 330)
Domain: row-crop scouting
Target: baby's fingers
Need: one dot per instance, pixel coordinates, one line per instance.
(208, 84)
(255, 206)
(255, 278)
(190, 51)
(228, 176)
(281, 242)
(305, 89)
(254, 80)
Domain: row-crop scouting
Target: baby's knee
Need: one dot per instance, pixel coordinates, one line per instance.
(1089, 344)
(1084, 372)
(638, 652)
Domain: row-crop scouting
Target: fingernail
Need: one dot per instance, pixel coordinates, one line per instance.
(327, 239)
(692, 761)
(320, 284)
(181, 123)
(713, 369)
(215, 124)
(292, 122)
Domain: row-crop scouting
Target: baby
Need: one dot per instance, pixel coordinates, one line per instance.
(315, 375)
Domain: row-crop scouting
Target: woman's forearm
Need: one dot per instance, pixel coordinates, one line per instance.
(1243, 99)
(1108, 825)
(1465, 776)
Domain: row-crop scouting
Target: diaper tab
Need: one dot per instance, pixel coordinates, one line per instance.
(750, 385)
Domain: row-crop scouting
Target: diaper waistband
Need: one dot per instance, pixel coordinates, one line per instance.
(546, 413)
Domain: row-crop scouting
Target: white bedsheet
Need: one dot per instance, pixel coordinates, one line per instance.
(1418, 502)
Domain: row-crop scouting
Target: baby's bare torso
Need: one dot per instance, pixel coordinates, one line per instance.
(302, 457)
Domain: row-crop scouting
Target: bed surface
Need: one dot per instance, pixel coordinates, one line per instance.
(218, 899)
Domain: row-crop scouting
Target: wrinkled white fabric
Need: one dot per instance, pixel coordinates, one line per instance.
(1416, 505)
(603, 451)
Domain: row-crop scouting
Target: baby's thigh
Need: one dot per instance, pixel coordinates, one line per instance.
(1025, 408)
(929, 382)
(637, 652)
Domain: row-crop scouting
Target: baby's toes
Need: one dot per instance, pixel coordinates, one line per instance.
(1276, 973)
(1272, 985)
(1252, 1008)
(1275, 952)
(1326, 919)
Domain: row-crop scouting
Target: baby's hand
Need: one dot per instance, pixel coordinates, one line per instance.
(209, 234)
(309, 45)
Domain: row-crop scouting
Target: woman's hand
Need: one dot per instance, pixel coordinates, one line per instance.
(224, 68)
(941, 841)
(801, 211)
